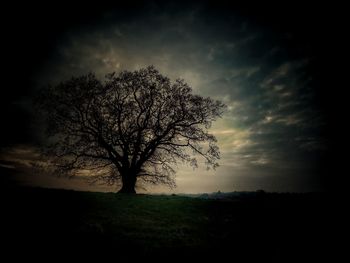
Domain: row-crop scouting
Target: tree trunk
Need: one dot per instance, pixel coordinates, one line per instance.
(129, 182)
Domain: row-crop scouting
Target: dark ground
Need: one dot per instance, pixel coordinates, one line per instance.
(47, 224)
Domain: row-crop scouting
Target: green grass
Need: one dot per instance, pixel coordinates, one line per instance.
(258, 226)
(146, 221)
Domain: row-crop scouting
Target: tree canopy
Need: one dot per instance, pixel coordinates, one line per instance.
(130, 126)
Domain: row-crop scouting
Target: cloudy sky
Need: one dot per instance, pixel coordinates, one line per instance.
(264, 63)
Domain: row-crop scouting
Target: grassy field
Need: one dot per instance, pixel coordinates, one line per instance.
(273, 227)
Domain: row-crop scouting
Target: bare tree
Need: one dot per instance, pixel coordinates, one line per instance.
(133, 125)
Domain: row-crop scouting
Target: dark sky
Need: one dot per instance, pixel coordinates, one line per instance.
(269, 63)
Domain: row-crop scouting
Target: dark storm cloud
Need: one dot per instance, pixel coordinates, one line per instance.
(261, 63)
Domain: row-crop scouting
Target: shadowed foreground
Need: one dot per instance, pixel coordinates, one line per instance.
(43, 223)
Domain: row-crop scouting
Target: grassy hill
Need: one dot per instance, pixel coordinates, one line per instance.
(274, 227)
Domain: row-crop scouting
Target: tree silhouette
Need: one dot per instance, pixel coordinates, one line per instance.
(133, 125)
